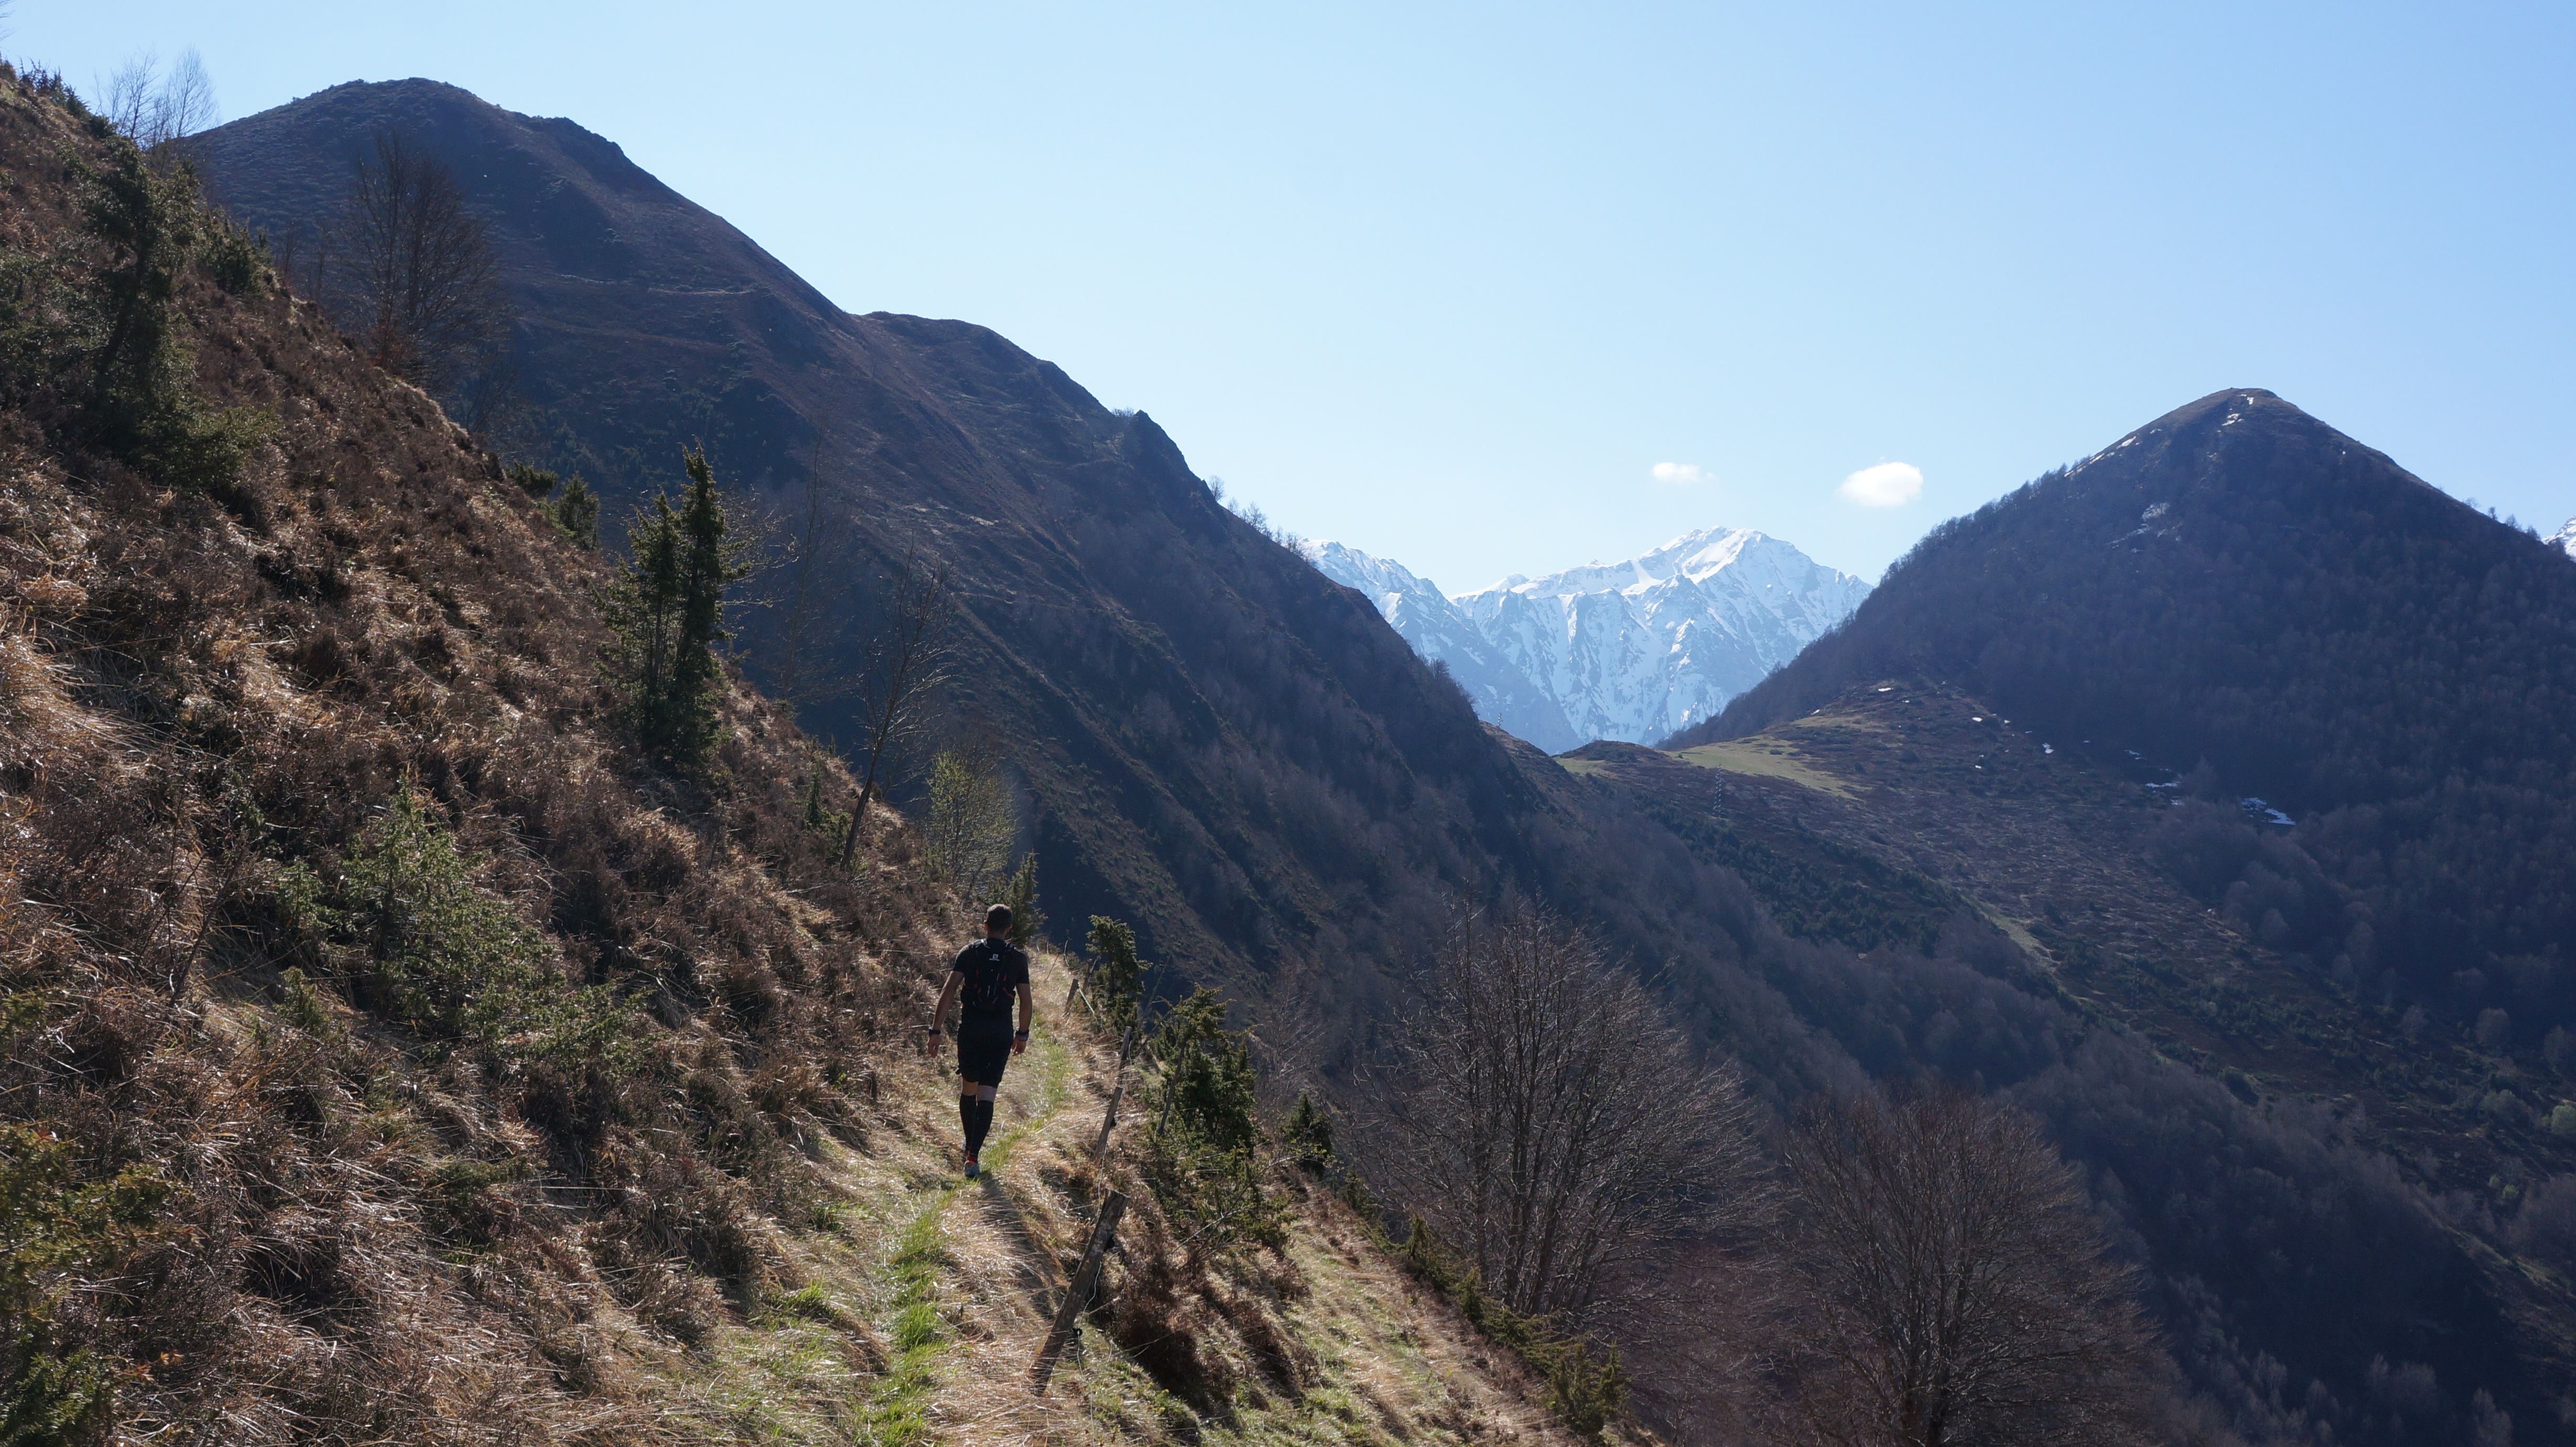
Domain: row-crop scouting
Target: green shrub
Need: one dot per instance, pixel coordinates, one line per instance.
(140, 405)
(49, 322)
(302, 1004)
(568, 502)
(1114, 986)
(445, 957)
(817, 813)
(56, 1227)
(575, 512)
(187, 446)
(1309, 1134)
(238, 261)
(966, 831)
(1202, 1154)
(457, 1201)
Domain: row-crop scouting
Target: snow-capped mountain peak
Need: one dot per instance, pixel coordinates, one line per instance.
(2565, 538)
(1635, 650)
(1502, 694)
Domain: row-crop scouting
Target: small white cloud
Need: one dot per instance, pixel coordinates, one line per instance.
(1681, 474)
(1890, 484)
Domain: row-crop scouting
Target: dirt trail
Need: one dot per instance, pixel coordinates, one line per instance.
(946, 1287)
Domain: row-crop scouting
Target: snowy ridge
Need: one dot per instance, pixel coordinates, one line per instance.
(2565, 538)
(1503, 695)
(1635, 650)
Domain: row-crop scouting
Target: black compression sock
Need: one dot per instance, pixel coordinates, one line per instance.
(979, 1125)
(966, 1116)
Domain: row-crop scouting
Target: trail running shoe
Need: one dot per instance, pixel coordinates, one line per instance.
(972, 1169)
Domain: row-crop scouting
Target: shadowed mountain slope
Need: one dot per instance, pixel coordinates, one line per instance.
(1218, 742)
(2239, 584)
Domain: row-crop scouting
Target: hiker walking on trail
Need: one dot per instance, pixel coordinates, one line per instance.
(982, 981)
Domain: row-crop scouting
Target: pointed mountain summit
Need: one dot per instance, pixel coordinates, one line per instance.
(2238, 583)
(1628, 651)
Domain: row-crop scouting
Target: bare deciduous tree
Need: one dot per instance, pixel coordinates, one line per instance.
(1560, 1132)
(152, 108)
(813, 582)
(417, 281)
(905, 660)
(1958, 1290)
(967, 831)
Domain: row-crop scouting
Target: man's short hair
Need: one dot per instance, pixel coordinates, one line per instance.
(998, 917)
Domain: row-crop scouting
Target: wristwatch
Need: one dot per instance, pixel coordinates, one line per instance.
(1019, 1034)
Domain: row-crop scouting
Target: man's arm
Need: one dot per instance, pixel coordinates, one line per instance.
(1028, 1013)
(947, 993)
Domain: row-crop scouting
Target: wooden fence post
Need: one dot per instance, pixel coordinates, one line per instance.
(1077, 1295)
(1109, 1116)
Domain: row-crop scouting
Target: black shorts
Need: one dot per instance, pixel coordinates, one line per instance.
(983, 1048)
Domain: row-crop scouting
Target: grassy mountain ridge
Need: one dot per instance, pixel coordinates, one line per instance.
(390, 1051)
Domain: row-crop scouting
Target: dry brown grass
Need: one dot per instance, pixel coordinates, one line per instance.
(370, 1235)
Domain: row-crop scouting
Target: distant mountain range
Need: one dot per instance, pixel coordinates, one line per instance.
(1633, 651)
(2565, 537)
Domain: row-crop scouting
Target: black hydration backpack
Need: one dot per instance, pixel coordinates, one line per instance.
(988, 979)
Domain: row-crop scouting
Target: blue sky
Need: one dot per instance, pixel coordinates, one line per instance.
(1449, 283)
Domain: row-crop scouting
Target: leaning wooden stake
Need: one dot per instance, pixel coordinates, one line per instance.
(1109, 1117)
(1078, 1295)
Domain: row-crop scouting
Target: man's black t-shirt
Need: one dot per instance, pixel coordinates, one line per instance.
(994, 973)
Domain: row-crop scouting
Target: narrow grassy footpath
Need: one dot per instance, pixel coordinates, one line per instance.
(896, 1412)
(927, 1296)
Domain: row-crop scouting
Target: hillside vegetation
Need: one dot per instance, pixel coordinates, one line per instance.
(393, 1047)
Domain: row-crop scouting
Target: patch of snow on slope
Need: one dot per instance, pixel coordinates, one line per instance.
(2565, 538)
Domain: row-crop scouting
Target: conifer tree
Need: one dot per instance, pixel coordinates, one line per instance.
(575, 511)
(1021, 894)
(140, 403)
(1309, 1133)
(1202, 1153)
(816, 816)
(149, 223)
(1116, 982)
(668, 612)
